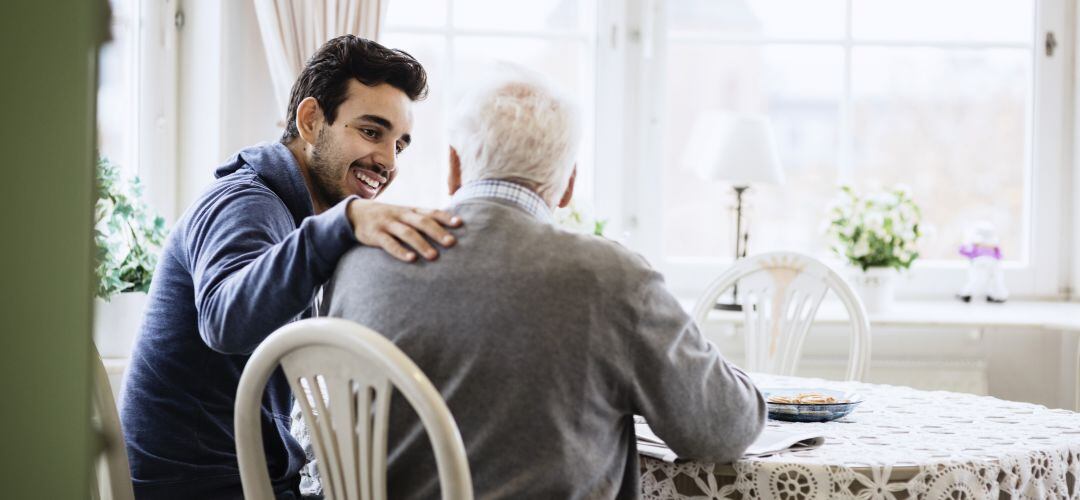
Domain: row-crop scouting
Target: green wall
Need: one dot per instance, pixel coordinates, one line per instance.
(47, 91)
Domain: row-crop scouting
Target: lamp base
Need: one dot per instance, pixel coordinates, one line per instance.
(728, 307)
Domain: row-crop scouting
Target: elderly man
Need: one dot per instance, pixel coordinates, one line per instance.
(544, 343)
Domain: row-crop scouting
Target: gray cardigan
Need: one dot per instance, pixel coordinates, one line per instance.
(544, 343)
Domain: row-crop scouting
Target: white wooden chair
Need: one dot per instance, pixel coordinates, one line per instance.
(1076, 383)
(111, 478)
(343, 375)
(780, 293)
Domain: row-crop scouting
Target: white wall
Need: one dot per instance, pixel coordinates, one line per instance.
(226, 99)
(1072, 201)
(1012, 363)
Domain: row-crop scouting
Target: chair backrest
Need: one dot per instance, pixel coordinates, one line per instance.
(780, 293)
(1076, 383)
(342, 375)
(112, 476)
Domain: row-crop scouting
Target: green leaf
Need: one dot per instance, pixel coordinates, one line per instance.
(128, 236)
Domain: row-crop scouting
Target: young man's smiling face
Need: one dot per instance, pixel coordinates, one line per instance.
(357, 153)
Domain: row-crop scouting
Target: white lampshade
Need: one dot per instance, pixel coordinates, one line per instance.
(738, 148)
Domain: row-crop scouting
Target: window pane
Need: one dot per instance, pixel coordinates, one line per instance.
(419, 13)
(423, 167)
(117, 95)
(534, 15)
(757, 18)
(567, 63)
(952, 124)
(951, 20)
(799, 89)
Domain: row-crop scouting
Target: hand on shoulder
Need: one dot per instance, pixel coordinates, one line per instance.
(399, 230)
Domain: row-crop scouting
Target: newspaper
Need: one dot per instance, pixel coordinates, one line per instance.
(770, 442)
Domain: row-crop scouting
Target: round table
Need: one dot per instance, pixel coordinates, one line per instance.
(899, 443)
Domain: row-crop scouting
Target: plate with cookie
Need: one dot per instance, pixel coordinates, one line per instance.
(809, 404)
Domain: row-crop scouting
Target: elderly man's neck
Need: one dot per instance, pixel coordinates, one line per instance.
(527, 184)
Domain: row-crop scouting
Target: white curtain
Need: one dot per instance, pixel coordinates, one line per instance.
(292, 30)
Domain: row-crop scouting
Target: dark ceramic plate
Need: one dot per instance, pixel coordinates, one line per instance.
(810, 412)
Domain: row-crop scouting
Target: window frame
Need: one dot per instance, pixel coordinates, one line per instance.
(158, 104)
(1042, 273)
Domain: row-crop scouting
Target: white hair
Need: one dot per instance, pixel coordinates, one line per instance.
(517, 127)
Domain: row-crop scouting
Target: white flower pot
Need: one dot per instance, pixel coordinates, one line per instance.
(116, 323)
(876, 287)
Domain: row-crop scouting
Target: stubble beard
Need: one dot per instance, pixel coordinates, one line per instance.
(326, 176)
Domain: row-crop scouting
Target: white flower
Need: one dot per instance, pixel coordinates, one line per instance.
(862, 248)
(875, 222)
(839, 206)
(907, 212)
(576, 219)
(883, 199)
(903, 190)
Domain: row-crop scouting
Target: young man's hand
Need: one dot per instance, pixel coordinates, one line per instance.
(401, 230)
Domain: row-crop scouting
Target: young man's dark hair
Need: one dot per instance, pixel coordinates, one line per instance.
(349, 57)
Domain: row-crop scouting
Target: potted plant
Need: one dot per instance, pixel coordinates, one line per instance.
(876, 234)
(128, 237)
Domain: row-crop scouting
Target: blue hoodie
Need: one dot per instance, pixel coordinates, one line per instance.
(246, 258)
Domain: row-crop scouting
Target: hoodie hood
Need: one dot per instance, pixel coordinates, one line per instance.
(278, 168)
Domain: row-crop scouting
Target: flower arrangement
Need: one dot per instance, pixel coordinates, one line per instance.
(573, 218)
(875, 230)
(127, 234)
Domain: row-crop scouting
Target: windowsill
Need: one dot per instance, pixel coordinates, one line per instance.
(1056, 316)
(114, 366)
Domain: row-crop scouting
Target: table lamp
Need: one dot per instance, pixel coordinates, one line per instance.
(738, 149)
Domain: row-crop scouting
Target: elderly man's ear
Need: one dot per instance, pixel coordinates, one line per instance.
(569, 189)
(453, 181)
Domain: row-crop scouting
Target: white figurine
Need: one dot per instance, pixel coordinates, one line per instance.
(984, 273)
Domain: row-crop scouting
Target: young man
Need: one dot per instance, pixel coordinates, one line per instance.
(248, 257)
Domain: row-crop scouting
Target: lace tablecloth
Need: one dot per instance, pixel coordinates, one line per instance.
(899, 443)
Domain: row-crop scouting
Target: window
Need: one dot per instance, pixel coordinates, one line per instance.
(957, 100)
(136, 99)
(457, 41)
(117, 82)
(136, 130)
